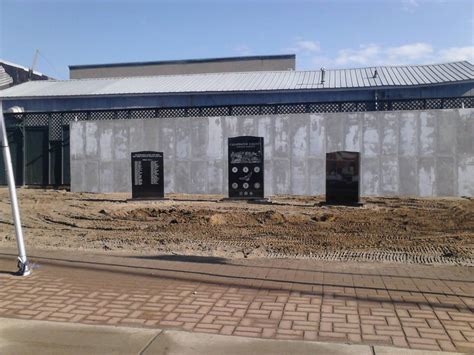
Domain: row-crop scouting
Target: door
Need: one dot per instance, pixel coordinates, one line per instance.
(36, 156)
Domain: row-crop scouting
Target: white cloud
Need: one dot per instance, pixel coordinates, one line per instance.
(373, 54)
(309, 46)
(409, 52)
(317, 62)
(457, 53)
(243, 49)
(410, 5)
(304, 46)
(363, 55)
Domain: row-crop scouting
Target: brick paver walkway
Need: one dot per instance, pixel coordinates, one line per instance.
(421, 307)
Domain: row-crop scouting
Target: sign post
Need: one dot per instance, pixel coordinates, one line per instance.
(23, 265)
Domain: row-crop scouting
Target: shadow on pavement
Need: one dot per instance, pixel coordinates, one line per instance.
(242, 280)
(183, 258)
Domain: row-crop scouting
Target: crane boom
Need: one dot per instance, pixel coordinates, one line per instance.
(33, 65)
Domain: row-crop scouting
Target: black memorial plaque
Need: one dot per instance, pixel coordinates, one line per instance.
(246, 168)
(342, 178)
(147, 175)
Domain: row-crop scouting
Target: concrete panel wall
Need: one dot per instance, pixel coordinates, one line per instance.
(418, 153)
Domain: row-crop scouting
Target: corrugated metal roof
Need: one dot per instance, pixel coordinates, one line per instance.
(389, 76)
(5, 79)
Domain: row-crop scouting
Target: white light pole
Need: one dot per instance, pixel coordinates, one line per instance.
(23, 265)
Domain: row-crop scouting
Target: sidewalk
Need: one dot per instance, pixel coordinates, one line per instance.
(406, 306)
(18, 337)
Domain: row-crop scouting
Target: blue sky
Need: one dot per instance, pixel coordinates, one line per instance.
(333, 34)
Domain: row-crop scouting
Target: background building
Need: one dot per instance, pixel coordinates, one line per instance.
(40, 134)
(191, 66)
(14, 74)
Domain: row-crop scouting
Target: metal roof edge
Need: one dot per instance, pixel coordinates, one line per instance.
(375, 88)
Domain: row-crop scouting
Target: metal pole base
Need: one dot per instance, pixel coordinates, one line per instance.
(24, 268)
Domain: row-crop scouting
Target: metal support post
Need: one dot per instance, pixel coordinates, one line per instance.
(23, 265)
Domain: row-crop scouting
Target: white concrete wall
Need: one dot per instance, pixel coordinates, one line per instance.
(419, 153)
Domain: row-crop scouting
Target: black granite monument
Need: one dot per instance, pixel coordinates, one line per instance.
(342, 178)
(246, 168)
(147, 175)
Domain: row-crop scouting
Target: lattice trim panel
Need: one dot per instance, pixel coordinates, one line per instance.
(268, 110)
(468, 102)
(324, 107)
(143, 113)
(56, 127)
(69, 117)
(171, 112)
(215, 111)
(101, 115)
(288, 109)
(122, 114)
(408, 105)
(459, 102)
(349, 107)
(193, 112)
(434, 104)
(245, 110)
(36, 119)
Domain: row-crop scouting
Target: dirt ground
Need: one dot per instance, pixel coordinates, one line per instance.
(434, 230)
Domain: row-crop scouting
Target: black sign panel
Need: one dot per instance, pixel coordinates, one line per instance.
(246, 168)
(147, 175)
(342, 177)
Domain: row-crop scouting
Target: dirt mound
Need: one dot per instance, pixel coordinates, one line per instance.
(217, 220)
(272, 217)
(395, 229)
(324, 217)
